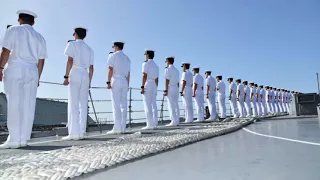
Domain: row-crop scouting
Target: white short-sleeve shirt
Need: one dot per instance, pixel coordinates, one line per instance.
(221, 86)
(187, 76)
(263, 94)
(81, 53)
(247, 91)
(198, 79)
(233, 87)
(151, 69)
(253, 91)
(171, 73)
(211, 82)
(25, 43)
(240, 88)
(120, 63)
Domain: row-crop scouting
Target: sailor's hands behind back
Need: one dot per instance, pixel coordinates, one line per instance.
(66, 82)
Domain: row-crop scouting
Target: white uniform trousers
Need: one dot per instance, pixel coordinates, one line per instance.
(241, 107)
(264, 107)
(288, 106)
(20, 85)
(119, 97)
(284, 107)
(248, 106)
(173, 106)
(150, 103)
(259, 108)
(188, 104)
(254, 107)
(280, 107)
(273, 107)
(199, 104)
(233, 104)
(78, 100)
(276, 106)
(222, 105)
(211, 100)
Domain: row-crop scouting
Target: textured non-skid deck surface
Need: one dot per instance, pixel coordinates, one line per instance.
(256, 154)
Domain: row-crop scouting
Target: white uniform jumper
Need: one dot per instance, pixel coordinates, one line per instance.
(211, 82)
(263, 102)
(187, 95)
(78, 88)
(198, 79)
(276, 100)
(254, 101)
(221, 86)
(259, 108)
(150, 94)
(21, 79)
(121, 67)
(172, 74)
(233, 100)
(247, 101)
(241, 107)
(289, 101)
(272, 101)
(268, 100)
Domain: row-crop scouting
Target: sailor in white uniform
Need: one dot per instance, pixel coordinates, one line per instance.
(198, 93)
(240, 98)
(268, 99)
(119, 66)
(276, 97)
(272, 106)
(186, 91)
(259, 108)
(171, 75)
(211, 95)
(289, 99)
(150, 75)
(21, 77)
(80, 59)
(247, 98)
(263, 100)
(221, 88)
(279, 101)
(253, 99)
(233, 97)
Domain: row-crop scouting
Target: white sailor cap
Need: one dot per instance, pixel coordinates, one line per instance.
(218, 75)
(79, 27)
(196, 67)
(120, 42)
(207, 71)
(170, 57)
(27, 12)
(251, 82)
(149, 50)
(184, 63)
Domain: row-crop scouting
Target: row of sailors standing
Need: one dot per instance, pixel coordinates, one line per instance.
(22, 60)
(245, 101)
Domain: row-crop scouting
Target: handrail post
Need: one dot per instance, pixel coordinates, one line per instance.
(130, 105)
(161, 111)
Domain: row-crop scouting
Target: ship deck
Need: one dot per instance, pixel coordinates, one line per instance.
(277, 148)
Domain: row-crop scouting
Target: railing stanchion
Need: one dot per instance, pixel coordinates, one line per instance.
(130, 106)
(95, 114)
(161, 111)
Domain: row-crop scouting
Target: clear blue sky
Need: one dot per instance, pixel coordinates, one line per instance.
(274, 42)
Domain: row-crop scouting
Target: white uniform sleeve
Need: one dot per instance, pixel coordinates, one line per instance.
(43, 53)
(208, 82)
(129, 63)
(218, 85)
(8, 40)
(157, 71)
(69, 51)
(166, 74)
(92, 58)
(110, 62)
(183, 76)
(144, 67)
